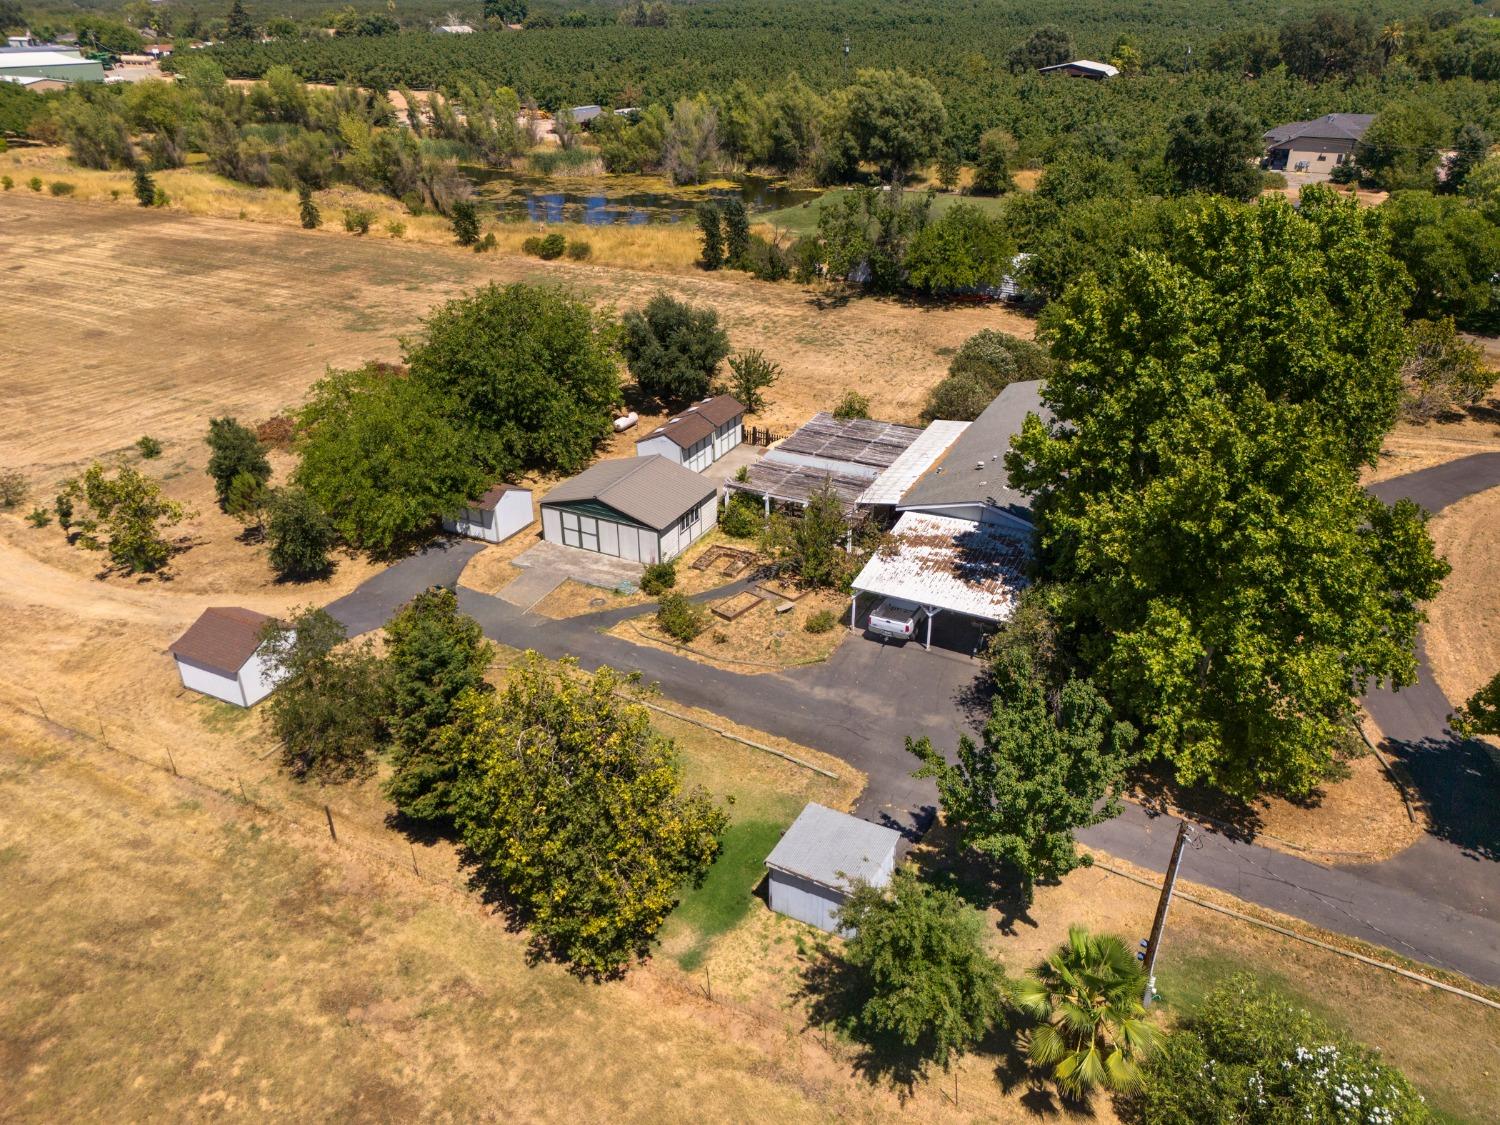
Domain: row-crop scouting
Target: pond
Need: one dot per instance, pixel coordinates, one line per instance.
(602, 200)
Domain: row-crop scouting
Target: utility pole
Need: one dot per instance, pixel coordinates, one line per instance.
(1184, 836)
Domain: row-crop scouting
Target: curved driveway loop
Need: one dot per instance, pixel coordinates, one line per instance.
(1435, 902)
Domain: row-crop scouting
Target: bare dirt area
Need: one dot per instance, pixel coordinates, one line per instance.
(1463, 630)
(142, 321)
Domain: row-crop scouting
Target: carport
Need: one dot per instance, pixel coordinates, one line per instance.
(943, 564)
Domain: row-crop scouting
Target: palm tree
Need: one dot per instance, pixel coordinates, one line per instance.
(1089, 992)
(1392, 38)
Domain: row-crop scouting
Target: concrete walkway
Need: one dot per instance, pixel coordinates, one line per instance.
(1435, 902)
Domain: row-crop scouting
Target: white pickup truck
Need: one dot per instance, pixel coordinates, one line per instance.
(895, 619)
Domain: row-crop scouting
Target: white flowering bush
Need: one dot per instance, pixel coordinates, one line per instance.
(1250, 1057)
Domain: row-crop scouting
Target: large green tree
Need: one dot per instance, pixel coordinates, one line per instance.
(923, 981)
(234, 449)
(435, 654)
(1216, 150)
(1231, 586)
(576, 808)
(674, 349)
(530, 371)
(381, 457)
(1451, 249)
(1400, 148)
(122, 512)
(965, 249)
(1041, 772)
(895, 120)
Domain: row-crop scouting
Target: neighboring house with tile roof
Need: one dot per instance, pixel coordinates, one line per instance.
(222, 655)
(646, 509)
(699, 435)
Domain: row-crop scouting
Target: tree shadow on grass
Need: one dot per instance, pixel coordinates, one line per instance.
(835, 993)
(980, 882)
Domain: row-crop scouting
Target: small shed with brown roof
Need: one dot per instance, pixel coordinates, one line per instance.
(699, 435)
(493, 517)
(221, 655)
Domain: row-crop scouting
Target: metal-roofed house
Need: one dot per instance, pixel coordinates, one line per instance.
(847, 456)
(1318, 145)
(66, 64)
(699, 435)
(644, 509)
(221, 655)
(493, 517)
(1082, 68)
(813, 867)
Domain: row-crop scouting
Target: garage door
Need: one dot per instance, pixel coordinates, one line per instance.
(580, 531)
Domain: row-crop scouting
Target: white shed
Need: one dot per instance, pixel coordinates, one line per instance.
(645, 509)
(698, 436)
(820, 857)
(495, 516)
(221, 656)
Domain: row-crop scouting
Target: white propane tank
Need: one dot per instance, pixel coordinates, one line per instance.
(623, 424)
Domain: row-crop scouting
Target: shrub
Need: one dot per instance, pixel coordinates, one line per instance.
(300, 535)
(160, 198)
(7, 183)
(276, 432)
(35, 183)
(1345, 173)
(742, 517)
(852, 405)
(1271, 181)
(811, 548)
(144, 186)
(413, 203)
(62, 187)
(233, 449)
(486, 244)
(958, 398)
(39, 517)
(357, 220)
(125, 516)
(659, 577)
(12, 488)
(680, 618)
(546, 247)
(985, 365)
(396, 228)
(765, 260)
(750, 373)
(307, 209)
(674, 349)
(465, 220)
(579, 250)
(149, 447)
(821, 622)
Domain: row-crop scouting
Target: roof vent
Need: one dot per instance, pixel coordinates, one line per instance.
(979, 465)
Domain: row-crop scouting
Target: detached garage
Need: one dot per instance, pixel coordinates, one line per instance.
(645, 509)
(495, 516)
(815, 864)
(221, 656)
(700, 435)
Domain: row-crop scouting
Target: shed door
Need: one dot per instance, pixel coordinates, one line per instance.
(580, 531)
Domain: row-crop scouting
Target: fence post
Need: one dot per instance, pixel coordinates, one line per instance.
(329, 814)
(414, 858)
(170, 760)
(43, 709)
(243, 795)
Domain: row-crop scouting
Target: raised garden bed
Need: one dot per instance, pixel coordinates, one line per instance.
(735, 606)
(730, 561)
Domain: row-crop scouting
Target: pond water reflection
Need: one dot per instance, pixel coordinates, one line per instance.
(600, 201)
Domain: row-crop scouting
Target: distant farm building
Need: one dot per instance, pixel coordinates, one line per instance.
(221, 655)
(1083, 68)
(493, 517)
(1316, 146)
(454, 29)
(698, 436)
(35, 83)
(645, 509)
(820, 858)
(66, 64)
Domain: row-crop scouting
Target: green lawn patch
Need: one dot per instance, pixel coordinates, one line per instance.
(727, 892)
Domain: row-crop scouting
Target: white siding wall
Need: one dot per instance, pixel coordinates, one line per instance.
(610, 535)
(475, 523)
(700, 455)
(662, 445)
(804, 900)
(551, 525)
(195, 677)
(729, 435)
(255, 680)
(513, 513)
(683, 534)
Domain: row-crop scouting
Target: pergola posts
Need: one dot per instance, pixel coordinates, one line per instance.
(931, 613)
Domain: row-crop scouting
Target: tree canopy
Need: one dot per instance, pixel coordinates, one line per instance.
(529, 372)
(1231, 586)
(674, 349)
(1216, 150)
(895, 120)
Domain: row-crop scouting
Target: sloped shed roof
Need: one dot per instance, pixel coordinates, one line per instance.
(650, 490)
(692, 425)
(222, 639)
(833, 849)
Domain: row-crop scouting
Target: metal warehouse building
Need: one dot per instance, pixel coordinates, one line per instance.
(819, 859)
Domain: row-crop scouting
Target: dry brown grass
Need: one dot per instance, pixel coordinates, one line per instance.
(574, 598)
(1411, 447)
(1463, 632)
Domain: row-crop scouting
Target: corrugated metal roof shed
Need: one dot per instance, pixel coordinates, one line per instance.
(976, 569)
(858, 441)
(652, 490)
(833, 849)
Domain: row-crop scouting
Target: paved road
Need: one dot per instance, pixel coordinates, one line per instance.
(1435, 902)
